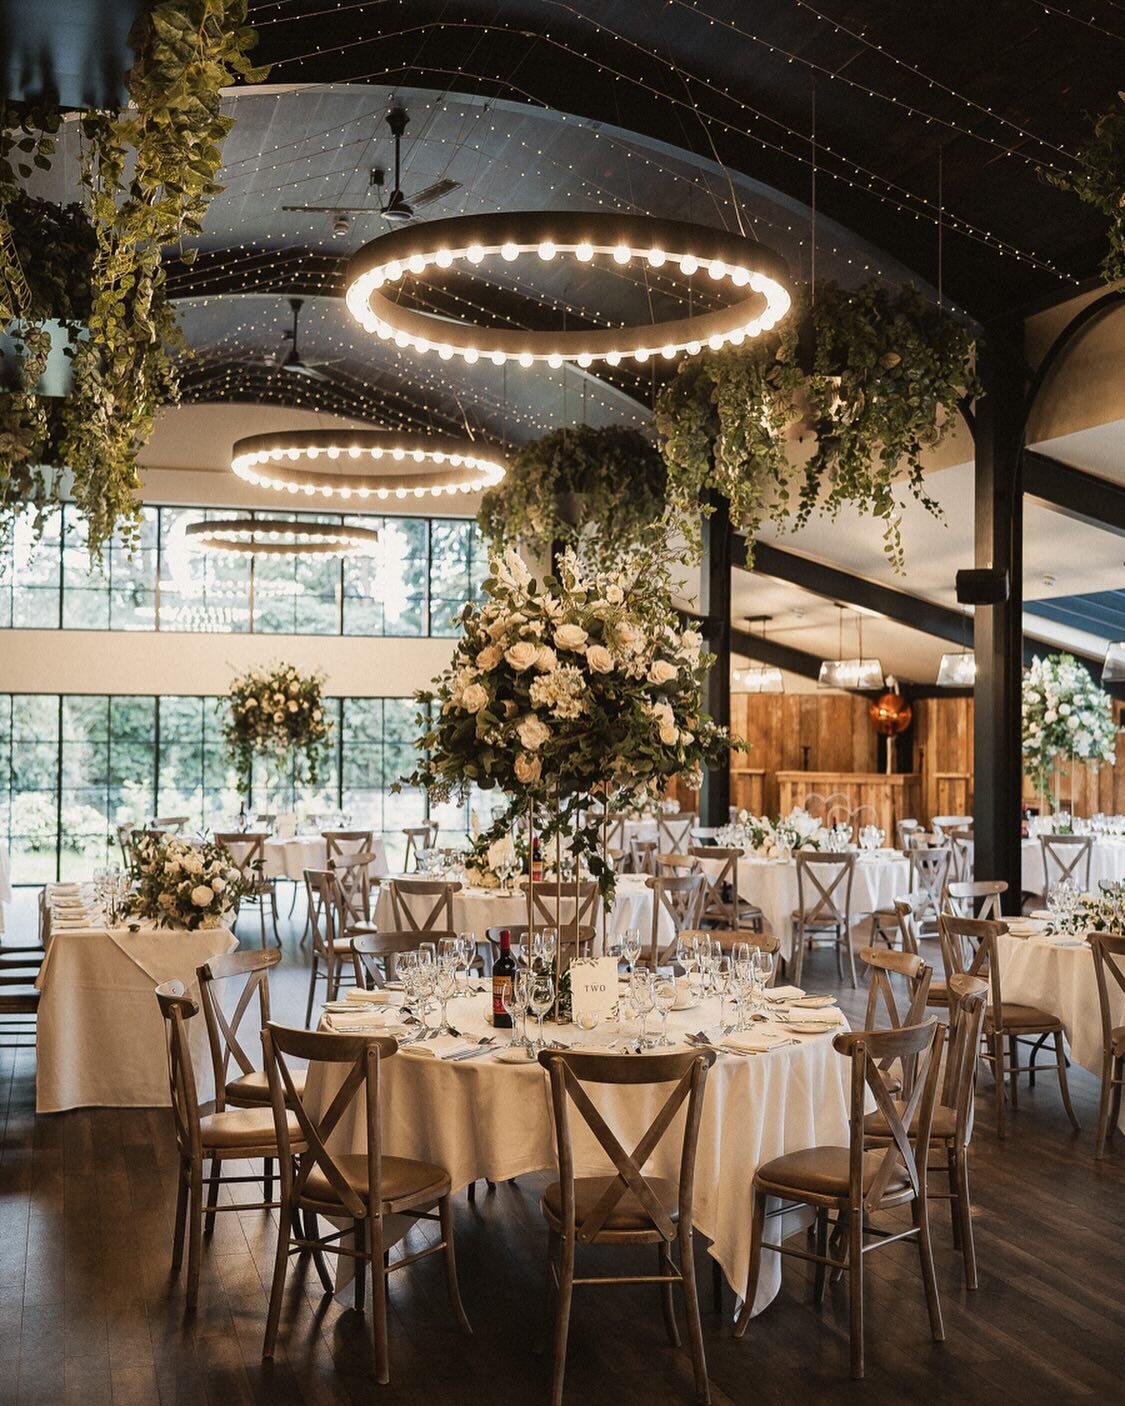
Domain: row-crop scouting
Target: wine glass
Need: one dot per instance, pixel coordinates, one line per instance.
(766, 965)
(541, 1001)
(643, 998)
(466, 951)
(515, 995)
(684, 955)
(445, 986)
(664, 993)
(447, 952)
(740, 956)
(722, 975)
(427, 954)
(632, 947)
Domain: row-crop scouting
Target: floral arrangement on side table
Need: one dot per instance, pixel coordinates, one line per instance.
(1066, 718)
(184, 885)
(277, 715)
(582, 685)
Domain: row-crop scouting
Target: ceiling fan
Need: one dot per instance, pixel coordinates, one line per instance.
(399, 208)
(293, 362)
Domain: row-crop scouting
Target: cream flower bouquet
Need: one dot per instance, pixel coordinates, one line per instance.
(1066, 718)
(183, 885)
(582, 685)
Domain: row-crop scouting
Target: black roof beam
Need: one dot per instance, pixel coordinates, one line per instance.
(1074, 493)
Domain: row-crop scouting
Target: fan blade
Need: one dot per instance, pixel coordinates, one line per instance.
(331, 209)
(299, 368)
(433, 192)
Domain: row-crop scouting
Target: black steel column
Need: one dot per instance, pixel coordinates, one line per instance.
(714, 801)
(998, 627)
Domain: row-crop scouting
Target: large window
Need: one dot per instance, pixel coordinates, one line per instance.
(422, 573)
(74, 767)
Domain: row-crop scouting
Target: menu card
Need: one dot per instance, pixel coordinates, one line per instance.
(593, 987)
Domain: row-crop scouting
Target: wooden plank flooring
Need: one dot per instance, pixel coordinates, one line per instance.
(90, 1315)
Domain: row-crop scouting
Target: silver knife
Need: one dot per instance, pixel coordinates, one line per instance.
(469, 1054)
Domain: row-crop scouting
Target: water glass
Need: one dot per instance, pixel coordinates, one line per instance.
(664, 992)
(445, 985)
(632, 947)
(541, 1000)
(643, 997)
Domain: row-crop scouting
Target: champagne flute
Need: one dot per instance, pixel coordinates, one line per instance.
(445, 985)
(664, 993)
(542, 999)
(632, 948)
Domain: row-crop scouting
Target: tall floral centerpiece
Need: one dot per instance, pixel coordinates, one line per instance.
(1066, 718)
(276, 717)
(184, 885)
(581, 685)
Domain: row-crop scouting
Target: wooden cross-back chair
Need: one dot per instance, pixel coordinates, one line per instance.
(125, 845)
(903, 830)
(676, 864)
(571, 908)
(943, 825)
(963, 849)
(353, 887)
(929, 875)
(244, 1086)
(418, 837)
(420, 905)
(968, 946)
(682, 899)
(642, 855)
(611, 828)
(19, 996)
(339, 843)
(980, 898)
(907, 919)
(374, 955)
(721, 902)
(859, 1181)
(362, 1188)
(331, 950)
(673, 832)
(1066, 857)
(169, 824)
(820, 880)
(727, 937)
(627, 1207)
(1109, 966)
(238, 1133)
(882, 964)
(247, 849)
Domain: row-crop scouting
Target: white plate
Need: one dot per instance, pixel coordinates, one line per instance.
(805, 1027)
(813, 1003)
(507, 1055)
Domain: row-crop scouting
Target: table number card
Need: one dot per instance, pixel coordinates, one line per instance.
(593, 986)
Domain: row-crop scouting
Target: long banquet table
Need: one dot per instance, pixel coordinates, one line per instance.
(1107, 861)
(484, 1118)
(99, 1035)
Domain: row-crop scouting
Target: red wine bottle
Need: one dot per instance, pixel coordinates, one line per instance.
(503, 970)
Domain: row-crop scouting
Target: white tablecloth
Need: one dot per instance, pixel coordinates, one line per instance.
(483, 1118)
(771, 884)
(1107, 861)
(476, 910)
(289, 858)
(1060, 980)
(99, 1036)
(5, 882)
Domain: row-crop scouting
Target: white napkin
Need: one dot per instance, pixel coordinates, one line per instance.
(752, 1041)
(830, 1016)
(784, 993)
(360, 1021)
(372, 998)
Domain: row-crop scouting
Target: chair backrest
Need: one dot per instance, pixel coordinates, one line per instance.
(363, 1055)
(247, 850)
(921, 839)
(568, 907)
(325, 907)
(676, 864)
(1109, 964)
(420, 905)
(941, 825)
(265, 820)
(907, 911)
(681, 898)
(353, 881)
(673, 832)
(822, 881)
(177, 1008)
(837, 809)
(716, 908)
(904, 829)
(570, 1072)
(968, 1002)
(727, 937)
(222, 1030)
(1066, 857)
(418, 837)
(975, 899)
(929, 873)
(963, 847)
(338, 843)
(883, 963)
(518, 934)
(171, 824)
(643, 853)
(814, 803)
(968, 948)
(917, 1046)
(611, 828)
(374, 954)
(125, 844)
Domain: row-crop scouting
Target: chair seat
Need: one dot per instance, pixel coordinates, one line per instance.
(823, 1171)
(1016, 1017)
(938, 994)
(406, 1183)
(254, 1088)
(627, 1215)
(944, 1125)
(243, 1128)
(818, 924)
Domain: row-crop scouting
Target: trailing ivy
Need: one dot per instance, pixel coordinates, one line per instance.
(873, 373)
(617, 478)
(1099, 180)
(149, 174)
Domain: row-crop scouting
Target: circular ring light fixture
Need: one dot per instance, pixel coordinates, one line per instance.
(365, 464)
(261, 537)
(754, 273)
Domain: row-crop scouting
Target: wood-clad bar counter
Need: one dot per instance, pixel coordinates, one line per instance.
(889, 798)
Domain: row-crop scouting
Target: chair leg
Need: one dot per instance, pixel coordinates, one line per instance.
(181, 1218)
(378, 1299)
(998, 1075)
(311, 1227)
(757, 1229)
(359, 1285)
(277, 1284)
(716, 1286)
(954, 1208)
(1103, 1107)
(195, 1232)
(855, 1291)
(694, 1322)
(820, 1283)
(1013, 1065)
(965, 1216)
(664, 1265)
(212, 1195)
(267, 1178)
(1064, 1087)
(312, 991)
(562, 1317)
(921, 1212)
(798, 953)
(553, 1246)
(445, 1215)
(1115, 1111)
(262, 916)
(851, 951)
(273, 912)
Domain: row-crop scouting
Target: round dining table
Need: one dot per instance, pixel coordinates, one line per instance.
(481, 1117)
(1107, 861)
(287, 857)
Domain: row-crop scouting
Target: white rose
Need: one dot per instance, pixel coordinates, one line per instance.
(488, 658)
(293, 690)
(474, 698)
(250, 703)
(532, 733)
(546, 659)
(528, 768)
(292, 706)
(1064, 709)
(571, 637)
(669, 734)
(317, 715)
(202, 895)
(522, 656)
(630, 637)
(218, 884)
(691, 642)
(599, 659)
(614, 595)
(279, 717)
(1050, 716)
(661, 672)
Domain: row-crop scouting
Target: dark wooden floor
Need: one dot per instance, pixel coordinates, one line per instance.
(89, 1314)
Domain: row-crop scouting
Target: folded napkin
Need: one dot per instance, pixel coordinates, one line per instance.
(344, 1021)
(371, 998)
(448, 1047)
(784, 993)
(812, 1003)
(827, 1017)
(1065, 939)
(753, 1041)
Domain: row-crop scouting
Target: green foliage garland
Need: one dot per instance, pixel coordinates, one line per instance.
(616, 475)
(149, 173)
(885, 372)
(1099, 180)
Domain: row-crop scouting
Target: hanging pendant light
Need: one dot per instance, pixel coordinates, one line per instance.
(959, 670)
(854, 673)
(1113, 670)
(758, 677)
